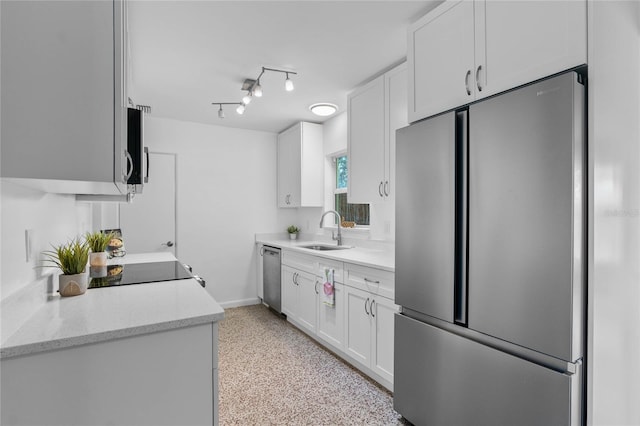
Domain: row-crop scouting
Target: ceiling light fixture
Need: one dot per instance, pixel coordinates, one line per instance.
(288, 84)
(221, 111)
(257, 89)
(323, 109)
(253, 88)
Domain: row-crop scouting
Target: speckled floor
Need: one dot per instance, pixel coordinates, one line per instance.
(271, 373)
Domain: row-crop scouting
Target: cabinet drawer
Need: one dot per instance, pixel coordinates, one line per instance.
(299, 261)
(376, 281)
(338, 274)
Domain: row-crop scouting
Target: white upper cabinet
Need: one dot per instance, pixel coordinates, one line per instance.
(375, 111)
(528, 40)
(441, 60)
(301, 166)
(466, 50)
(63, 95)
(365, 142)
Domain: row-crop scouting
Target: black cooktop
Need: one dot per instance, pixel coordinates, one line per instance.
(137, 273)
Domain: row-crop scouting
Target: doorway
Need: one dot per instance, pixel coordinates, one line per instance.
(148, 224)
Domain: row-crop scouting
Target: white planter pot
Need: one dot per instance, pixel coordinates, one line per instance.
(293, 236)
(73, 285)
(98, 259)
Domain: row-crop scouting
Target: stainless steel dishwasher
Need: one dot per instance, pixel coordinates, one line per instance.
(271, 278)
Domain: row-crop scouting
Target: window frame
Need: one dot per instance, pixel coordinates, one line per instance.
(335, 191)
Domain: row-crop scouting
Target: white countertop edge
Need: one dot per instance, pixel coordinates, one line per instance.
(368, 257)
(52, 345)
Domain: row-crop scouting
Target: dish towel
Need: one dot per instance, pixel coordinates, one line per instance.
(329, 288)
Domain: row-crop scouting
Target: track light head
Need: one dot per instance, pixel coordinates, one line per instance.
(220, 112)
(240, 109)
(257, 89)
(246, 99)
(288, 84)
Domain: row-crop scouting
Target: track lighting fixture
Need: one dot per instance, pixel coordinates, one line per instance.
(253, 88)
(221, 111)
(288, 84)
(257, 89)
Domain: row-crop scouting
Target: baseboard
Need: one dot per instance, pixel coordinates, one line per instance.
(238, 303)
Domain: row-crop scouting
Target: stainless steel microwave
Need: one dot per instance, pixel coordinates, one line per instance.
(137, 154)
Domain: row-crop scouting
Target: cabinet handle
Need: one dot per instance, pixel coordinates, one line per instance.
(146, 153)
(293, 278)
(371, 281)
(386, 188)
(478, 78)
(316, 287)
(373, 301)
(129, 166)
(261, 251)
(466, 82)
(380, 189)
(365, 306)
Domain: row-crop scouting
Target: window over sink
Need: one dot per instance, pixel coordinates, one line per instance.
(358, 213)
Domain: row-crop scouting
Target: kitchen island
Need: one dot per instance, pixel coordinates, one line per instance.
(135, 354)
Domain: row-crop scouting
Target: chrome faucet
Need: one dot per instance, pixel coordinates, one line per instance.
(338, 238)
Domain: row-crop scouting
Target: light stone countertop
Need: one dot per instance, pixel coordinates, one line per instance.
(113, 313)
(381, 257)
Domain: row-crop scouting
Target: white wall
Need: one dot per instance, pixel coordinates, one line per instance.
(614, 272)
(226, 189)
(53, 219)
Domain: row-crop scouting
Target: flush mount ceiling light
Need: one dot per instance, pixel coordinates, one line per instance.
(253, 88)
(323, 109)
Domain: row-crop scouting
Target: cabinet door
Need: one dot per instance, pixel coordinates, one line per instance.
(366, 138)
(331, 318)
(441, 60)
(358, 325)
(58, 91)
(307, 301)
(289, 167)
(396, 96)
(289, 291)
(383, 311)
(522, 41)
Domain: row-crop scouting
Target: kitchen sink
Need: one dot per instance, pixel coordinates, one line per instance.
(325, 247)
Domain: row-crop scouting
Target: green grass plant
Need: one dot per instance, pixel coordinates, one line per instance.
(71, 258)
(98, 241)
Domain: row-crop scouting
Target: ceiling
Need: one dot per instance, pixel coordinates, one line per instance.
(185, 55)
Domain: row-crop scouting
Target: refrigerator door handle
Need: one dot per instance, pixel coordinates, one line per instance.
(461, 178)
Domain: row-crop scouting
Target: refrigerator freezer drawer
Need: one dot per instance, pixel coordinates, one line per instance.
(444, 379)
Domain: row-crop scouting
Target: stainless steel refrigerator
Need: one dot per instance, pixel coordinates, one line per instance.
(490, 260)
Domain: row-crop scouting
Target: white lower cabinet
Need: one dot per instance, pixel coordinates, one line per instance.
(164, 378)
(331, 318)
(369, 330)
(299, 298)
(359, 326)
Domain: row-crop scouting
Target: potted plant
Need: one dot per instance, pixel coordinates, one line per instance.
(72, 259)
(293, 232)
(98, 242)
